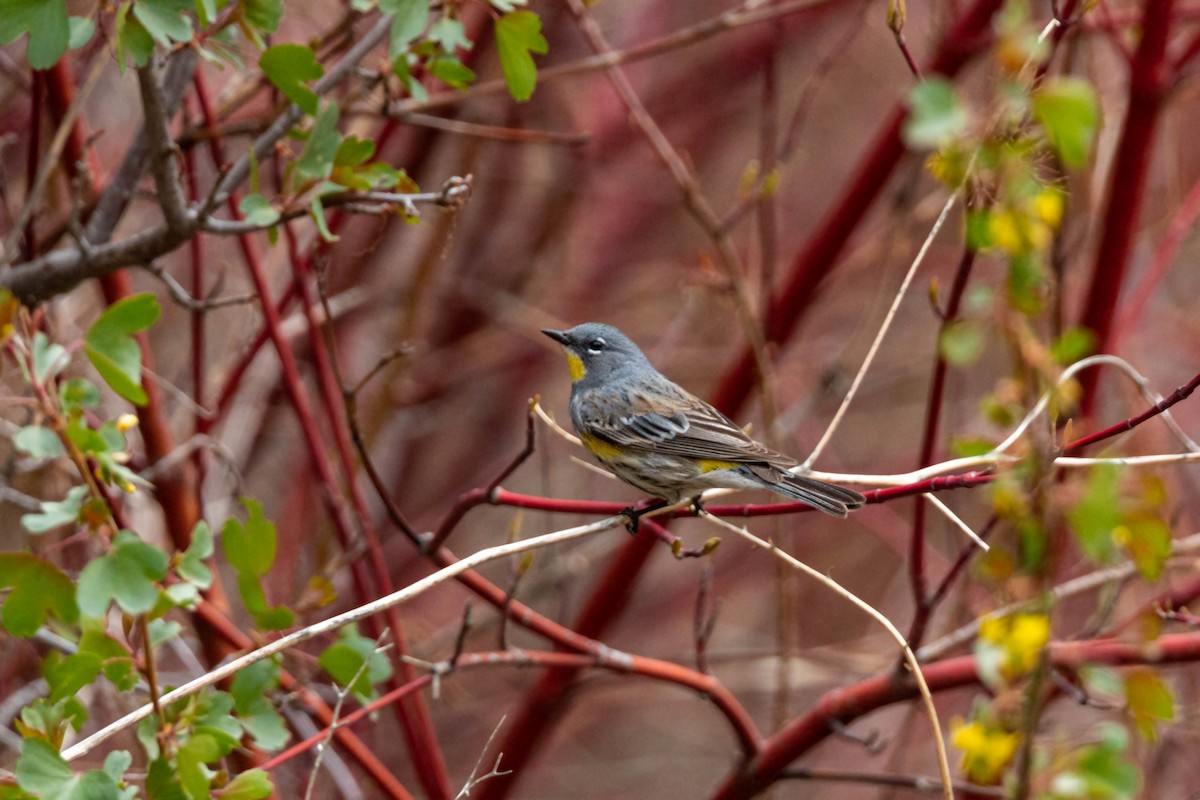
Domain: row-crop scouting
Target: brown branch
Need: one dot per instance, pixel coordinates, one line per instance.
(156, 123)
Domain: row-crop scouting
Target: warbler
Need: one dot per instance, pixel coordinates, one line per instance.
(656, 436)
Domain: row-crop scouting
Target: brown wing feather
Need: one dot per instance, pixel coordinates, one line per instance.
(674, 422)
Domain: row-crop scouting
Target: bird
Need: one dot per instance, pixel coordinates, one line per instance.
(665, 441)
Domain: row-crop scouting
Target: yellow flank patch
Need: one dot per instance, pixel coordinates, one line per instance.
(605, 451)
(709, 465)
(575, 365)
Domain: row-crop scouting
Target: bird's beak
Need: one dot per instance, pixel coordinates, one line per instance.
(557, 336)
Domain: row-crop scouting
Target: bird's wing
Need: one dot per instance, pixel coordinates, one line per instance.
(674, 422)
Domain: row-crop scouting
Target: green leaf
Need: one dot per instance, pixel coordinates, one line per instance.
(206, 12)
(250, 547)
(1026, 284)
(38, 589)
(262, 722)
(82, 29)
(452, 72)
(38, 442)
(1148, 541)
(317, 212)
(967, 446)
(316, 159)
(344, 660)
(56, 513)
(449, 35)
(46, 23)
(519, 33)
(262, 16)
(253, 784)
(1096, 515)
(961, 342)
(114, 352)
(403, 71)
(191, 757)
(133, 40)
(1149, 701)
(48, 358)
(162, 630)
(258, 210)
(129, 575)
(76, 394)
(936, 115)
(66, 675)
(1067, 109)
(116, 662)
(42, 771)
(191, 565)
(162, 783)
(409, 18)
(116, 762)
(254, 709)
(1074, 344)
(165, 20)
(253, 683)
(353, 152)
(48, 721)
(289, 67)
(271, 618)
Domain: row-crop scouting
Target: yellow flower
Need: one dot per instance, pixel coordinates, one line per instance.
(1048, 207)
(987, 749)
(1009, 647)
(1029, 635)
(1005, 232)
(127, 422)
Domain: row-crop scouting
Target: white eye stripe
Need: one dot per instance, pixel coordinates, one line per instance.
(596, 345)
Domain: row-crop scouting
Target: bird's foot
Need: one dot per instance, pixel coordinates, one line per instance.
(634, 515)
(697, 506)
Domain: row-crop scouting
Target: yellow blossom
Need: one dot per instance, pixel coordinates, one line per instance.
(1018, 641)
(986, 749)
(1005, 232)
(126, 422)
(1048, 207)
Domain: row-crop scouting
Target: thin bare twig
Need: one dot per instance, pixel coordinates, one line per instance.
(472, 780)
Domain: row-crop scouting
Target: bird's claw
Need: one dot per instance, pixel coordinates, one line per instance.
(634, 516)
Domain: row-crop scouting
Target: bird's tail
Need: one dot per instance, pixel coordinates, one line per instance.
(834, 500)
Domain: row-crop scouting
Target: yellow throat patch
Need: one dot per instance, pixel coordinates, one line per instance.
(575, 365)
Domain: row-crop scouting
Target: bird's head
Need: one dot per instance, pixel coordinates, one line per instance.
(595, 350)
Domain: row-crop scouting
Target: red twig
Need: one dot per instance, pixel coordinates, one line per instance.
(1149, 78)
(852, 702)
(1182, 393)
(413, 716)
(740, 722)
(417, 726)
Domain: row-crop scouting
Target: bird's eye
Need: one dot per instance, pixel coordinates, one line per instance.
(595, 345)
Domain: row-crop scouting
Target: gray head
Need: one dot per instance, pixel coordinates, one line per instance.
(595, 351)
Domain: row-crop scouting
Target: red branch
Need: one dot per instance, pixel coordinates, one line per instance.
(707, 687)
(1149, 78)
(415, 722)
(850, 703)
